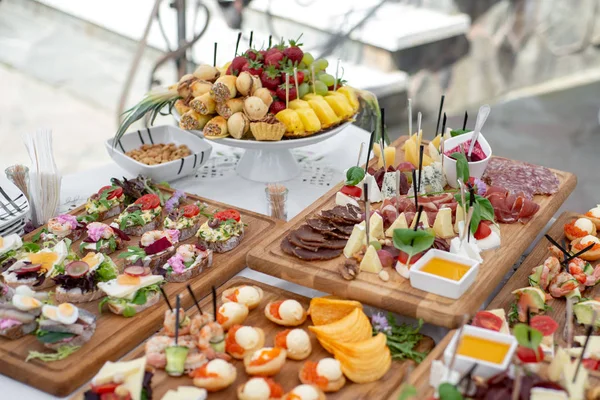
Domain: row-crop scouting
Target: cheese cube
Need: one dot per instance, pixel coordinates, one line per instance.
(371, 262)
(357, 239)
(399, 223)
(443, 224)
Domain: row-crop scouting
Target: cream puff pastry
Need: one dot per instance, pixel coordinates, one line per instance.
(267, 361)
(296, 342)
(260, 388)
(285, 312)
(215, 375)
(231, 313)
(325, 374)
(248, 295)
(305, 392)
(243, 340)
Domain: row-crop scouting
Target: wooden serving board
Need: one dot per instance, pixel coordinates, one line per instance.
(397, 294)
(116, 335)
(288, 377)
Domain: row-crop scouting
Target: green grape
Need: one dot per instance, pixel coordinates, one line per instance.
(375, 244)
(321, 64)
(301, 66)
(304, 88)
(320, 88)
(307, 59)
(327, 79)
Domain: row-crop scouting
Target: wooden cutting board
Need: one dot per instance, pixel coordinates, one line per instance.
(397, 294)
(116, 335)
(288, 377)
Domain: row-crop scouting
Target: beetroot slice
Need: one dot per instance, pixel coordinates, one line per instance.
(88, 240)
(158, 246)
(121, 234)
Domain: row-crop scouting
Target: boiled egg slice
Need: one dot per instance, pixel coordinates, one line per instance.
(50, 312)
(10, 242)
(25, 303)
(93, 260)
(67, 313)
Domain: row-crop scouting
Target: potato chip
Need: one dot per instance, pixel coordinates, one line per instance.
(325, 310)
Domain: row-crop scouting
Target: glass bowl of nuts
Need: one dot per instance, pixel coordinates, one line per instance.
(163, 153)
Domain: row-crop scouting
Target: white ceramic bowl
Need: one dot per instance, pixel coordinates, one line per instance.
(169, 171)
(476, 169)
(484, 369)
(439, 285)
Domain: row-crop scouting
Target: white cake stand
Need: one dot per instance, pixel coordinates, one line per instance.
(265, 161)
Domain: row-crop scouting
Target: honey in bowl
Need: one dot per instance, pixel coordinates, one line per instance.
(483, 349)
(445, 268)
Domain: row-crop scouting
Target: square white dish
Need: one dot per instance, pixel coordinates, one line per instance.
(437, 284)
(476, 168)
(484, 369)
(168, 171)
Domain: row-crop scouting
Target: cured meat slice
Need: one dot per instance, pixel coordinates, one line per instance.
(308, 235)
(321, 225)
(516, 177)
(337, 235)
(294, 240)
(330, 215)
(320, 255)
(344, 229)
(334, 244)
(287, 247)
(510, 208)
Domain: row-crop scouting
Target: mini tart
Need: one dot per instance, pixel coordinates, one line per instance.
(594, 216)
(212, 381)
(581, 243)
(231, 313)
(267, 361)
(573, 232)
(233, 294)
(235, 349)
(296, 342)
(269, 128)
(309, 376)
(274, 314)
(260, 388)
(305, 392)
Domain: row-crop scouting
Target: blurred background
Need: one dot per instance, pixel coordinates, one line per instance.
(73, 66)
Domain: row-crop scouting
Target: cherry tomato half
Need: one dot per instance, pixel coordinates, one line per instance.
(353, 191)
(591, 364)
(190, 210)
(527, 355)
(403, 257)
(148, 201)
(487, 320)
(115, 192)
(483, 231)
(228, 214)
(106, 388)
(544, 324)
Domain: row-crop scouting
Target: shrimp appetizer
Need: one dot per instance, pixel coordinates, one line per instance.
(187, 263)
(592, 254)
(157, 357)
(211, 340)
(305, 392)
(250, 296)
(259, 388)
(285, 312)
(325, 374)
(185, 323)
(155, 248)
(579, 228)
(215, 375)
(186, 219)
(65, 226)
(230, 314)
(102, 238)
(267, 361)
(243, 340)
(296, 342)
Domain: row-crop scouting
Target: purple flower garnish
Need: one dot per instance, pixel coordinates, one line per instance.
(480, 187)
(174, 200)
(380, 323)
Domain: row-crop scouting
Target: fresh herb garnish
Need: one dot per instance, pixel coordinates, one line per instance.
(447, 391)
(513, 314)
(107, 270)
(527, 336)
(482, 210)
(62, 353)
(401, 339)
(462, 166)
(354, 176)
(37, 236)
(412, 242)
(458, 132)
(135, 218)
(112, 243)
(86, 219)
(134, 252)
(52, 337)
(31, 247)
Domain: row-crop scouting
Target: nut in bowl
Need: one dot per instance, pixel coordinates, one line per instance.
(175, 162)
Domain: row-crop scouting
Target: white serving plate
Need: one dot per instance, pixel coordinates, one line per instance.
(439, 285)
(484, 369)
(169, 171)
(476, 169)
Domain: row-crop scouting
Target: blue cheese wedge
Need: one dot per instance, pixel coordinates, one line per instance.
(432, 178)
(389, 188)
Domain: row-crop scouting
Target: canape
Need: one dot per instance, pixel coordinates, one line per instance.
(108, 202)
(248, 295)
(186, 393)
(243, 340)
(36, 268)
(285, 312)
(296, 342)
(103, 239)
(18, 314)
(65, 226)
(155, 248)
(594, 216)
(230, 314)
(592, 254)
(125, 379)
(131, 292)
(215, 375)
(141, 216)
(579, 228)
(305, 392)
(65, 324)
(11, 249)
(187, 263)
(267, 361)
(326, 374)
(223, 232)
(78, 281)
(186, 219)
(260, 388)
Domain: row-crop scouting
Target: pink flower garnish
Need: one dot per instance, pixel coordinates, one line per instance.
(69, 219)
(176, 262)
(96, 230)
(173, 235)
(8, 323)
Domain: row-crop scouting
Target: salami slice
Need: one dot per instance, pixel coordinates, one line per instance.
(520, 177)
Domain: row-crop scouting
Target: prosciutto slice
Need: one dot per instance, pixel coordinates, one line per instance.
(509, 207)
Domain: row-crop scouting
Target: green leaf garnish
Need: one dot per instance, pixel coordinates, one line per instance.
(412, 242)
(462, 167)
(523, 337)
(354, 176)
(128, 312)
(458, 132)
(37, 236)
(62, 353)
(408, 392)
(31, 247)
(448, 391)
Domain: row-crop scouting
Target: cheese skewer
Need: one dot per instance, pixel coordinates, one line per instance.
(585, 345)
(366, 192)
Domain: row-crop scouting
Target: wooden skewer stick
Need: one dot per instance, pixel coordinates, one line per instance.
(416, 193)
(296, 82)
(312, 77)
(237, 43)
(585, 345)
(421, 148)
(437, 126)
(419, 118)
(337, 69)
(371, 143)
(270, 40)
(178, 305)
(215, 55)
(189, 288)
(287, 90)
(360, 150)
(443, 125)
(516, 391)
(458, 341)
(367, 211)
(166, 298)
(410, 132)
(250, 42)
(465, 121)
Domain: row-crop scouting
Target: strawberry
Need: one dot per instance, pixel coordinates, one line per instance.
(293, 52)
(280, 92)
(274, 58)
(236, 65)
(300, 75)
(277, 106)
(254, 67)
(270, 78)
(253, 55)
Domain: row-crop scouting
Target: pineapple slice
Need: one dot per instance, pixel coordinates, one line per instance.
(340, 105)
(296, 104)
(291, 120)
(350, 94)
(309, 119)
(311, 96)
(324, 112)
